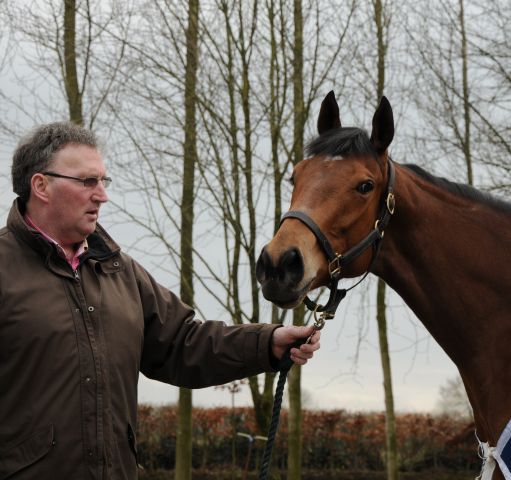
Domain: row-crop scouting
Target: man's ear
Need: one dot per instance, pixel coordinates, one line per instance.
(39, 187)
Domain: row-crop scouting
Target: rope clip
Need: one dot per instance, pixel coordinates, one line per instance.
(320, 318)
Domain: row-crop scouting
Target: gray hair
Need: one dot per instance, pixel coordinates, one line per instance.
(35, 151)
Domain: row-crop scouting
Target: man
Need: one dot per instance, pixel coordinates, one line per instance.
(79, 319)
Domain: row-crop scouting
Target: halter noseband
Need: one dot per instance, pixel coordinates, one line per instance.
(337, 261)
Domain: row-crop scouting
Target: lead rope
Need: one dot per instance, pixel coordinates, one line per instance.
(274, 424)
(285, 365)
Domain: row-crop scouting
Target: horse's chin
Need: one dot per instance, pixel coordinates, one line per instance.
(285, 298)
(287, 305)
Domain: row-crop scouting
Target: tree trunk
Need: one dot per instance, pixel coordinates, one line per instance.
(390, 421)
(183, 459)
(294, 454)
(239, 171)
(73, 93)
(245, 94)
(466, 101)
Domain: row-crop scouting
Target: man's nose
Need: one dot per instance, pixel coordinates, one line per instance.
(100, 194)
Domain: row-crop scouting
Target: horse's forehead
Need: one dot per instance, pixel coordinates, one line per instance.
(326, 158)
(325, 165)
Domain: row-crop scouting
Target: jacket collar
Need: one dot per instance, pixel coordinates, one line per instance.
(101, 245)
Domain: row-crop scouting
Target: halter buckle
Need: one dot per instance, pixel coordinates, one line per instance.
(334, 267)
(391, 203)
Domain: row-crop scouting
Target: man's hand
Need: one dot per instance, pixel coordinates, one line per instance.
(284, 337)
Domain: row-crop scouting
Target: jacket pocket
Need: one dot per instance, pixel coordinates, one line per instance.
(132, 440)
(26, 452)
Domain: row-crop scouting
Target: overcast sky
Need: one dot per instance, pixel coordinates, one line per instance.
(345, 373)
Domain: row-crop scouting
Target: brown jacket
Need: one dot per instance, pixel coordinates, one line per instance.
(72, 346)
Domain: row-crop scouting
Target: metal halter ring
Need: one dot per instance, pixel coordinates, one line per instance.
(377, 227)
(319, 321)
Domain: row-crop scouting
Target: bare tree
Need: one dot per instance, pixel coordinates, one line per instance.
(367, 83)
(462, 89)
(304, 92)
(65, 46)
(488, 49)
(294, 456)
(183, 469)
(73, 91)
(453, 399)
(230, 120)
(382, 20)
(237, 109)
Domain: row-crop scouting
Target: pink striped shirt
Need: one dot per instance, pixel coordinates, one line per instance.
(74, 261)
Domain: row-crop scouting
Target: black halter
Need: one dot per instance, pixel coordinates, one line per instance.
(336, 261)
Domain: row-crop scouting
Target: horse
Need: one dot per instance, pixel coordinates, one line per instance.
(442, 246)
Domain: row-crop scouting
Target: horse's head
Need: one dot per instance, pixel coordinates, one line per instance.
(340, 188)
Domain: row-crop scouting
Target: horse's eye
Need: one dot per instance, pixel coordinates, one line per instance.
(365, 187)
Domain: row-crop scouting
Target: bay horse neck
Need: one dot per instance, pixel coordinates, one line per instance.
(446, 256)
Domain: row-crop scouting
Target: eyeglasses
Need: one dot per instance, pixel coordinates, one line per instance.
(90, 182)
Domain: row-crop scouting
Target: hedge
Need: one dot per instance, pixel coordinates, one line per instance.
(334, 440)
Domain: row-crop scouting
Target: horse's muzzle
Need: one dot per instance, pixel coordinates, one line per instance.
(280, 277)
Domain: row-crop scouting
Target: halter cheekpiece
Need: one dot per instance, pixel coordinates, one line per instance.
(337, 261)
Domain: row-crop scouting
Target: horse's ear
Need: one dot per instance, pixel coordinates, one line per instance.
(383, 126)
(329, 114)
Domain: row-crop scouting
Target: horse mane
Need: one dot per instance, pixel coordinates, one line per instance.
(461, 189)
(341, 141)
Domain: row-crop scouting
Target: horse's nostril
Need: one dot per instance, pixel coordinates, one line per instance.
(291, 266)
(262, 265)
(287, 272)
(290, 258)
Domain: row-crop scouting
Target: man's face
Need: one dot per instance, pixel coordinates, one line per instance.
(73, 208)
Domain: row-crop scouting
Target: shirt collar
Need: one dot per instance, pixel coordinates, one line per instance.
(74, 261)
